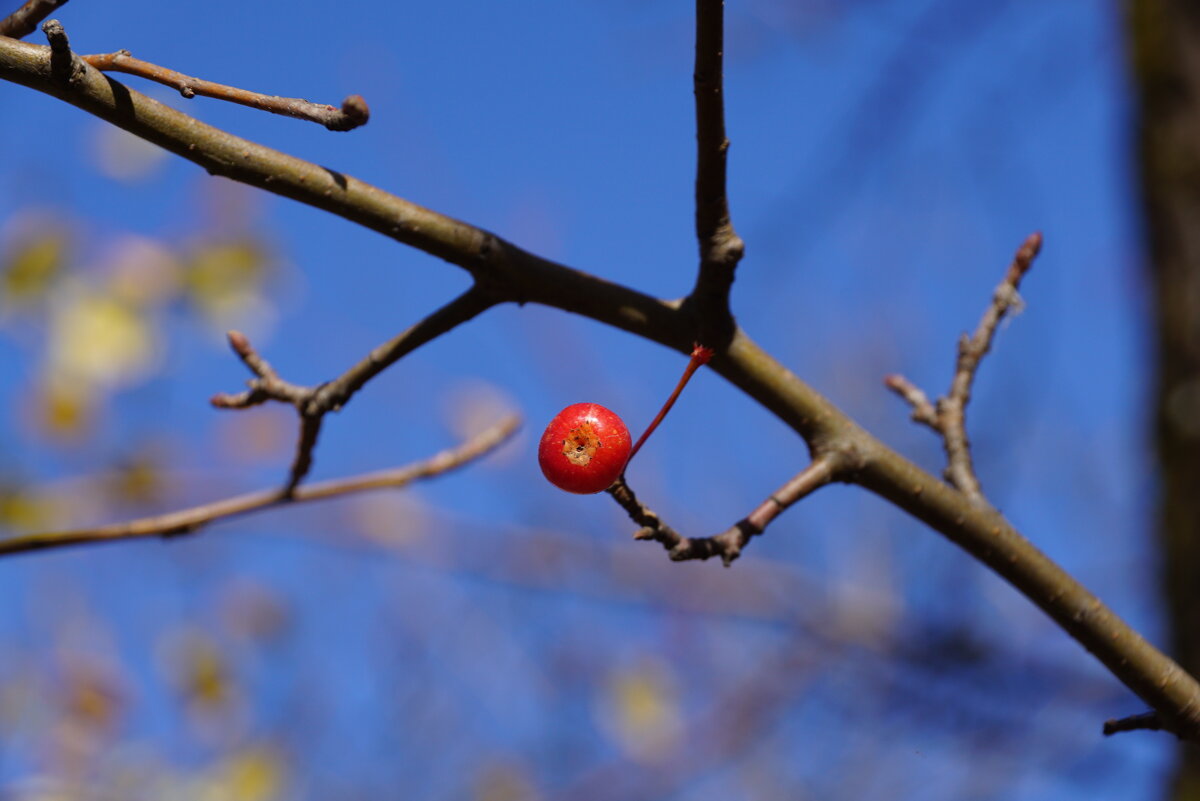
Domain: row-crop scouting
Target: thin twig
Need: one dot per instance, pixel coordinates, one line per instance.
(352, 114)
(728, 544)
(333, 395)
(923, 411)
(186, 521)
(652, 526)
(970, 353)
(948, 417)
(819, 472)
(310, 429)
(720, 247)
(313, 403)
(1146, 721)
(267, 385)
(25, 19)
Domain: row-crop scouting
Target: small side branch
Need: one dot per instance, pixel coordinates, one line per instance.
(948, 415)
(352, 114)
(25, 19)
(313, 403)
(652, 526)
(474, 301)
(1146, 721)
(720, 247)
(65, 66)
(727, 545)
(187, 521)
(820, 471)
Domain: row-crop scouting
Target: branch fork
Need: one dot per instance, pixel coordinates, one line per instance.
(727, 545)
(313, 403)
(947, 416)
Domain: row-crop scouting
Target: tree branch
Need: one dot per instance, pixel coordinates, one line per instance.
(313, 403)
(1146, 721)
(720, 247)
(513, 274)
(948, 417)
(728, 544)
(186, 521)
(652, 527)
(25, 19)
(334, 395)
(822, 470)
(352, 114)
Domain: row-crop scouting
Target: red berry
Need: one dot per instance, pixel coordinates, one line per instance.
(584, 449)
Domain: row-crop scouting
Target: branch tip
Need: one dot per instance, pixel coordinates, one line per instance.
(1145, 721)
(353, 113)
(239, 343)
(948, 415)
(56, 35)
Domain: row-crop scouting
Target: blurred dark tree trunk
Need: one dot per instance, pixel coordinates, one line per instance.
(1165, 47)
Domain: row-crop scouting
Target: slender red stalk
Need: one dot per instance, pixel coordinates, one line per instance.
(700, 356)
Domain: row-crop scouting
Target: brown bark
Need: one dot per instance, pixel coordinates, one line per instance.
(1165, 47)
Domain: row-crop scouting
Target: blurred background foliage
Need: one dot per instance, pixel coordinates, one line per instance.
(485, 636)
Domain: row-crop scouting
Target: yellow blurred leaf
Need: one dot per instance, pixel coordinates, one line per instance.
(137, 482)
(198, 668)
(98, 340)
(641, 712)
(94, 698)
(31, 269)
(61, 408)
(206, 679)
(24, 511)
(220, 271)
(225, 279)
(253, 774)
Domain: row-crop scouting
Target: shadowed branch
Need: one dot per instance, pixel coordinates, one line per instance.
(720, 247)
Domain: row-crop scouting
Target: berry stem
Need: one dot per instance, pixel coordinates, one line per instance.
(700, 356)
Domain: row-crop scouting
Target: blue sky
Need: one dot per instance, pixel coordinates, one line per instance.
(887, 159)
